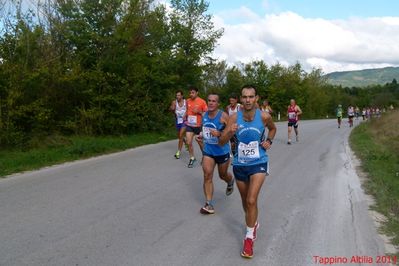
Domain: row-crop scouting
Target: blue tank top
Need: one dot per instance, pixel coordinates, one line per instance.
(248, 138)
(211, 143)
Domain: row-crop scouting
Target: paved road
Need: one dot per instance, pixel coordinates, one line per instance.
(141, 207)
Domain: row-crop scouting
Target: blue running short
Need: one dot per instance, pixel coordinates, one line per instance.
(180, 126)
(243, 173)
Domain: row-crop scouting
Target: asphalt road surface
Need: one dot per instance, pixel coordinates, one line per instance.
(141, 207)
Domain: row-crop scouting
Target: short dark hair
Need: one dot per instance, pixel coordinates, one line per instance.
(179, 91)
(193, 88)
(233, 96)
(249, 86)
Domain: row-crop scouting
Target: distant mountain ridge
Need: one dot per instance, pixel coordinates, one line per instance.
(363, 78)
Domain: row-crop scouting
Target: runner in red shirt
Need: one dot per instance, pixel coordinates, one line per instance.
(293, 114)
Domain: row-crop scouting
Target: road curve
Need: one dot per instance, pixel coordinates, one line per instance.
(141, 207)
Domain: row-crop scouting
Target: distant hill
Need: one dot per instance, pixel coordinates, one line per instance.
(363, 78)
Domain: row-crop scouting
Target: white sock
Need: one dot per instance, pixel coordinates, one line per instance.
(250, 232)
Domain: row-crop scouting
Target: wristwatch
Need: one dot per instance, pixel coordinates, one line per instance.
(270, 141)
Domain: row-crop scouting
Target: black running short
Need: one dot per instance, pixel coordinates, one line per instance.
(219, 159)
(195, 130)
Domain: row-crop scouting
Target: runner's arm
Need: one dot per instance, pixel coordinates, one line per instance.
(229, 131)
(268, 122)
(299, 111)
(172, 107)
(223, 120)
(204, 108)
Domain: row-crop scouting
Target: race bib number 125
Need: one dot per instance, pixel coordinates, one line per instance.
(248, 152)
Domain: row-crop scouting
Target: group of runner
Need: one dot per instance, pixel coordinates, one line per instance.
(370, 112)
(354, 113)
(243, 131)
(340, 113)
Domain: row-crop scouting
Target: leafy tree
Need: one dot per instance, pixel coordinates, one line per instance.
(234, 82)
(193, 36)
(214, 76)
(257, 74)
(112, 67)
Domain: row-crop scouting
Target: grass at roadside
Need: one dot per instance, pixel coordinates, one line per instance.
(376, 143)
(55, 150)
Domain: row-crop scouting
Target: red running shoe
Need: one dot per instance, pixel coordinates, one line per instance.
(247, 250)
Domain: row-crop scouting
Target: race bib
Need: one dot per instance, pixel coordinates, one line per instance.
(207, 135)
(192, 120)
(292, 116)
(248, 152)
(180, 120)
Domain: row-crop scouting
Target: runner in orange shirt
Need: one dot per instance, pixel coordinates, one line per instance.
(196, 106)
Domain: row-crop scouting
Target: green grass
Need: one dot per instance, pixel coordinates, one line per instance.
(376, 143)
(55, 150)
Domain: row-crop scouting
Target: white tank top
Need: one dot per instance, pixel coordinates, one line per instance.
(180, 111)
(232, 111)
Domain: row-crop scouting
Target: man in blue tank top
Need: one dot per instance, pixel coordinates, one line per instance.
(213, 123)
(251, 162)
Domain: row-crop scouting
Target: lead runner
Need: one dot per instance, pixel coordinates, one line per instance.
(251, 162)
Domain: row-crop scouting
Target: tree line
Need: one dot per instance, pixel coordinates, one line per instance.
(111, 67)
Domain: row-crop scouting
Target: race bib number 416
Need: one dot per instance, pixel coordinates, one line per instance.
(248, 152)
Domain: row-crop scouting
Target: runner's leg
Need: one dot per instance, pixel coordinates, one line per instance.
(181, 135)
(289, 134)
(208, 166)
(243, 189)
(224, 174)
(189, 139)
(255, 184)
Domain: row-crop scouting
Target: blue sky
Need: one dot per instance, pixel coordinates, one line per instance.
(328, 9)
(333, 35)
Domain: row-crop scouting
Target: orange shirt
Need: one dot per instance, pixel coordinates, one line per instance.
(194, 109)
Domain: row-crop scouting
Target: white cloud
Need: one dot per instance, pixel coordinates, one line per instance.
(333, 66)
(333, 45)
